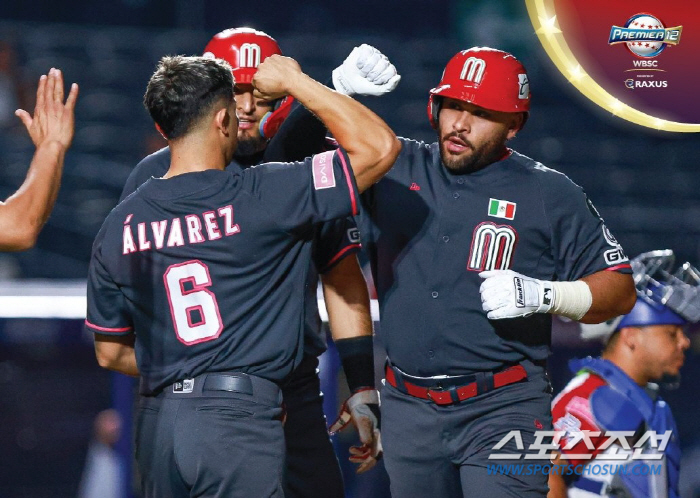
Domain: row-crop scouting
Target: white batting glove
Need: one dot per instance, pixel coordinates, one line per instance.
(362, 408)
(366, 71)
(507, 294)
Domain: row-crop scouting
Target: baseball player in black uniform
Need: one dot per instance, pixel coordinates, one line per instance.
(269, 132)
(197, 279)
(473, 246)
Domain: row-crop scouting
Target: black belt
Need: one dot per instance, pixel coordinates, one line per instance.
(225, 384)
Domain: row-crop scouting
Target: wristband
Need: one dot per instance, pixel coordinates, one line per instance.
(571, 299)
(357, 356)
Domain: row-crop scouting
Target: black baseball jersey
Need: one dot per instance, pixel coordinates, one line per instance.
(429, 234)
(332, 240)
(209, 269)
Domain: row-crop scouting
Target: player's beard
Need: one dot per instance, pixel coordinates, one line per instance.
(248, 146)
(474, 158)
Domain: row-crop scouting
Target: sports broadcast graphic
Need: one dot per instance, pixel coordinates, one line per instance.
(397, 249)
(606, 49)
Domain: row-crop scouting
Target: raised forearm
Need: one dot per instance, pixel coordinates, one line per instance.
(371, 145)
(25, 212)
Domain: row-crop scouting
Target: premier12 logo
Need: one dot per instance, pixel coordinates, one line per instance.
(645, 36)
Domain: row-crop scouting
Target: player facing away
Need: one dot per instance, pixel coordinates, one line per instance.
(615, 393)
(283, 131)
(51, 128)
(196, 281)
(473, 247)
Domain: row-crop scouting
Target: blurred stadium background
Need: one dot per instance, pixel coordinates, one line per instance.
(645, 183)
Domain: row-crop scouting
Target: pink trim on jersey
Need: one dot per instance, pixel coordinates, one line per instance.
(619, 267)
(349, 180)
(107, 329)
(341, 254)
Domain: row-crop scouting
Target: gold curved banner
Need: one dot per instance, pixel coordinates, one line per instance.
(543, 17)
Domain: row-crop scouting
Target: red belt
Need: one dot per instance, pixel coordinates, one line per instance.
(455, 394)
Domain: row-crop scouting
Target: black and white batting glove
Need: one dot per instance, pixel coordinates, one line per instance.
(507, 294)
(362, 409)
(366, 71)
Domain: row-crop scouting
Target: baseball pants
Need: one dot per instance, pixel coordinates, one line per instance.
(217, 435)
(443, 451)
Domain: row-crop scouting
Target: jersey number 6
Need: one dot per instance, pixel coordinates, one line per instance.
(193, 307)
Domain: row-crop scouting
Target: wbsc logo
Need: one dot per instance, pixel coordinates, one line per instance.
(645, 35)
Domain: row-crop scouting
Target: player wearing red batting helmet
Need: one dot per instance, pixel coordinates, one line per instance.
(473, 247)
(259, 120)
(487, 82)
(486, 77)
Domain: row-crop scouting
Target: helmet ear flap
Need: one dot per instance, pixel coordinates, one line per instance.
(271, 121)
(434, 103)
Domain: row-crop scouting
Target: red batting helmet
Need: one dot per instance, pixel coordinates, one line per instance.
(486, 77)
(244, 49)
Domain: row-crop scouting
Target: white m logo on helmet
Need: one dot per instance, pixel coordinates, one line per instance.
(249, 55)
(473, 70)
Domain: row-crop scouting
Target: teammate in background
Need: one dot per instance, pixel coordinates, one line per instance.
(272, 131)
(51, 129)
(614, 392)
(199, 272)
(473, 247)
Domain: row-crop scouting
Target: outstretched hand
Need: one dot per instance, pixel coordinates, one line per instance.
(53, 119)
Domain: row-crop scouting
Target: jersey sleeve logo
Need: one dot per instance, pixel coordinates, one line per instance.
(616, 255)
(353, 235)
(492, 247)
(323, 171)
